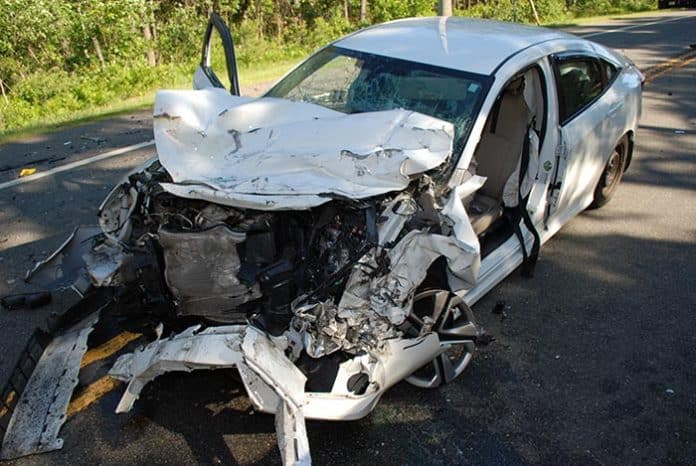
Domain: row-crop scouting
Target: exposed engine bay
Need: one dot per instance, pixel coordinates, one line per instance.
(320, 301)
(336, 276)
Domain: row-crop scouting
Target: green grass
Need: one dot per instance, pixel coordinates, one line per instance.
(268, 72)
(581, 21)
(141, 96)
(180, 79)
(80, 117)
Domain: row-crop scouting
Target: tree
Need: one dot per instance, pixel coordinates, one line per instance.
(444, 7)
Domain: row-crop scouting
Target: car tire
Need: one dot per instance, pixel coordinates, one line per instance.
(451, 317)
(611, 175)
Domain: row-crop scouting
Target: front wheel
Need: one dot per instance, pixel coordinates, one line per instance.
(611, 175)
(446, 314)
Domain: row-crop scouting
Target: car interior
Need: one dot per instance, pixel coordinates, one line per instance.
(499, 153)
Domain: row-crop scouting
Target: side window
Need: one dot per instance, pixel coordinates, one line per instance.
(580, 81)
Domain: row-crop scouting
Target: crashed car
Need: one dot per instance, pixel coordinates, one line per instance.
(327, 239)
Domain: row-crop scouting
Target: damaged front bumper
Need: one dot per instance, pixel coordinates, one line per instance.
(273, 382)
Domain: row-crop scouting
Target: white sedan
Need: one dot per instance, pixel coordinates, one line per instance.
(329, 237)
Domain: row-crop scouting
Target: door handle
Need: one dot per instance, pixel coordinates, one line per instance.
(615, 108)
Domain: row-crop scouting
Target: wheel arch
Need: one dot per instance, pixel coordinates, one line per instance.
(436, 278)
(629, 151)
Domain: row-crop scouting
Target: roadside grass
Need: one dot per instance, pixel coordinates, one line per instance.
(81, 117)
(180, 77)
(581, 21)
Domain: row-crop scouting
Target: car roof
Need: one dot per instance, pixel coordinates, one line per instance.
(466, 44)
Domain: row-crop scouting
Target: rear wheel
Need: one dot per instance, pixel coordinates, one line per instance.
(446, 314)
(611, 175)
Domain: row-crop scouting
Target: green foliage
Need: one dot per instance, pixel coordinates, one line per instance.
(61, 56)
(387, 10)
(551, 11)
(603, 7)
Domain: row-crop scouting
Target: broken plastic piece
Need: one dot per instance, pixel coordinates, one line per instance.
(213, 348)
(40, 411)
(66, 267)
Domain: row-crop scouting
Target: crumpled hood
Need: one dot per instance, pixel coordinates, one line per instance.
(276, 154)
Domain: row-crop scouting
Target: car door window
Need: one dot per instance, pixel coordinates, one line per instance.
(218, 65)
(580, 82)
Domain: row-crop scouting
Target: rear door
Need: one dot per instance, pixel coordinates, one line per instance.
(218, 65)
(586, 135)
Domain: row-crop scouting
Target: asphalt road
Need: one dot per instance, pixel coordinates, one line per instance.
(594, 360)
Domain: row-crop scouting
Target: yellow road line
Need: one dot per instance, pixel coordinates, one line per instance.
(101, 387)
(10, 398)
(91, 394)
(107, 349)
(677, 62)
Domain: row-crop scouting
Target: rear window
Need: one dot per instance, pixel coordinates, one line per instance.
(580, 82)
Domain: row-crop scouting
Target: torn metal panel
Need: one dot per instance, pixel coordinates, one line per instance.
(240, 153)
(276, 371)
(291, 433)
(212, 348)
(40, 412)
(272, 381)
(245, 201)
(390, 295)
(398, 212)
(397, 358)
(271, 364)
(104, 264)
(463, 273)
(328, 328)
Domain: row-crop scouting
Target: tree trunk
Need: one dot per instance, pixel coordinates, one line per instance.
(2, 88)
(444, 7)
(363, 11)
(32, 54)
(346, 12)
(147, 34)
(534, 11)
(98, 51)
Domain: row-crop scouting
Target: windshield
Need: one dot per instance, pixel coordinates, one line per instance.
(355, 82)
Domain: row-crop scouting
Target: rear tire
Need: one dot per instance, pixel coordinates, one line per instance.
(611, 175)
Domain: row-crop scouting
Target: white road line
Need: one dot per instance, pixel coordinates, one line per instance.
(79, 163)
(635, 26)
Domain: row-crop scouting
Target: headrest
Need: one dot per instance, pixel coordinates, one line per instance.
(515, 87)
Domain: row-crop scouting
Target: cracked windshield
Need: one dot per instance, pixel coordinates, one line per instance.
(354, 82)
